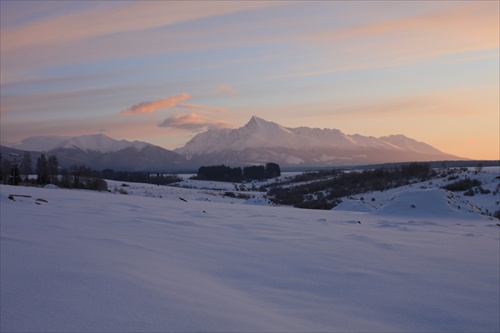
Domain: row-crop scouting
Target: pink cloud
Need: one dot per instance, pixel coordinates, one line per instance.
(103, 19)
(152, 106)
(225, 89)
(192, 122)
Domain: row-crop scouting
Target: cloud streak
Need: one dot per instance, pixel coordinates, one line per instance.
(101, 20)
(101, 34)
(153, 106)
(192, 122)
(397, 41)
(103, 31)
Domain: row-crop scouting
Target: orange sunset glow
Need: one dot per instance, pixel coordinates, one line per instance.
(163, 71)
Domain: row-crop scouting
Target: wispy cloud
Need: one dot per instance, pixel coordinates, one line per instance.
(101, 31)
(192, 122)
(104, 19)
(458, 29)
(226, 89)
(153, 106)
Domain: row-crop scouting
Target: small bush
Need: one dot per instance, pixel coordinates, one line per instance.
(483, 191)
(462, 185)
(122, 191)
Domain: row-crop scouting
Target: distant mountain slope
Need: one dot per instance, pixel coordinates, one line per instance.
(261, 141)
(404, 142)
(40, 143)
(99, 152)
(94, 142)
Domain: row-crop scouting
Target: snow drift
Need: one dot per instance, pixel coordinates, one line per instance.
(82, 261)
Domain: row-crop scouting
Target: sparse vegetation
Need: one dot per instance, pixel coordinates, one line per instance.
(140, 177)
(462, 185)
(469, 193)
(237, 195)
(326, 193)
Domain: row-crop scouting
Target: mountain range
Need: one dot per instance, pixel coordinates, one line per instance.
(259, 141)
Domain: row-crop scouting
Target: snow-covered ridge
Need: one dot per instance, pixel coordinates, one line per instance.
(148, 261)
(259, 133)
(94, 142)
(404, 142)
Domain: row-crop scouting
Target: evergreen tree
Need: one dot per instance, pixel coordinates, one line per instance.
(254, 172)
(1, 167)
(53, 168)
(273, 170)
(42, 170)
(15, 176)
(66, 180)
(81, 176)
(6, 167)
(26, 165)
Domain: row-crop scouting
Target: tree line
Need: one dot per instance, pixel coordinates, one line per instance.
(237, 174)
(18, 170)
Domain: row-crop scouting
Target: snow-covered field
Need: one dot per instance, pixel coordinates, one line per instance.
(411, 259)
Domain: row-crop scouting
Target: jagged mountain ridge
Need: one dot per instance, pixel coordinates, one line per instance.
(260, 141)
(257, 142)
(259, 133)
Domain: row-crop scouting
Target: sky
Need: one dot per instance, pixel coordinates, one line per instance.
(163, 71)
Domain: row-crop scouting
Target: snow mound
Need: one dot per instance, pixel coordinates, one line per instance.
(355, 206)
(429, 203)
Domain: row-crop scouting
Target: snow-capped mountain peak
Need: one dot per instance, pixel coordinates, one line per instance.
(260, 140)
(260, 133)
(257, 124)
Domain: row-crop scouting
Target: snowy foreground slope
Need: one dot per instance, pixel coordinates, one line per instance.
(86, 261)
